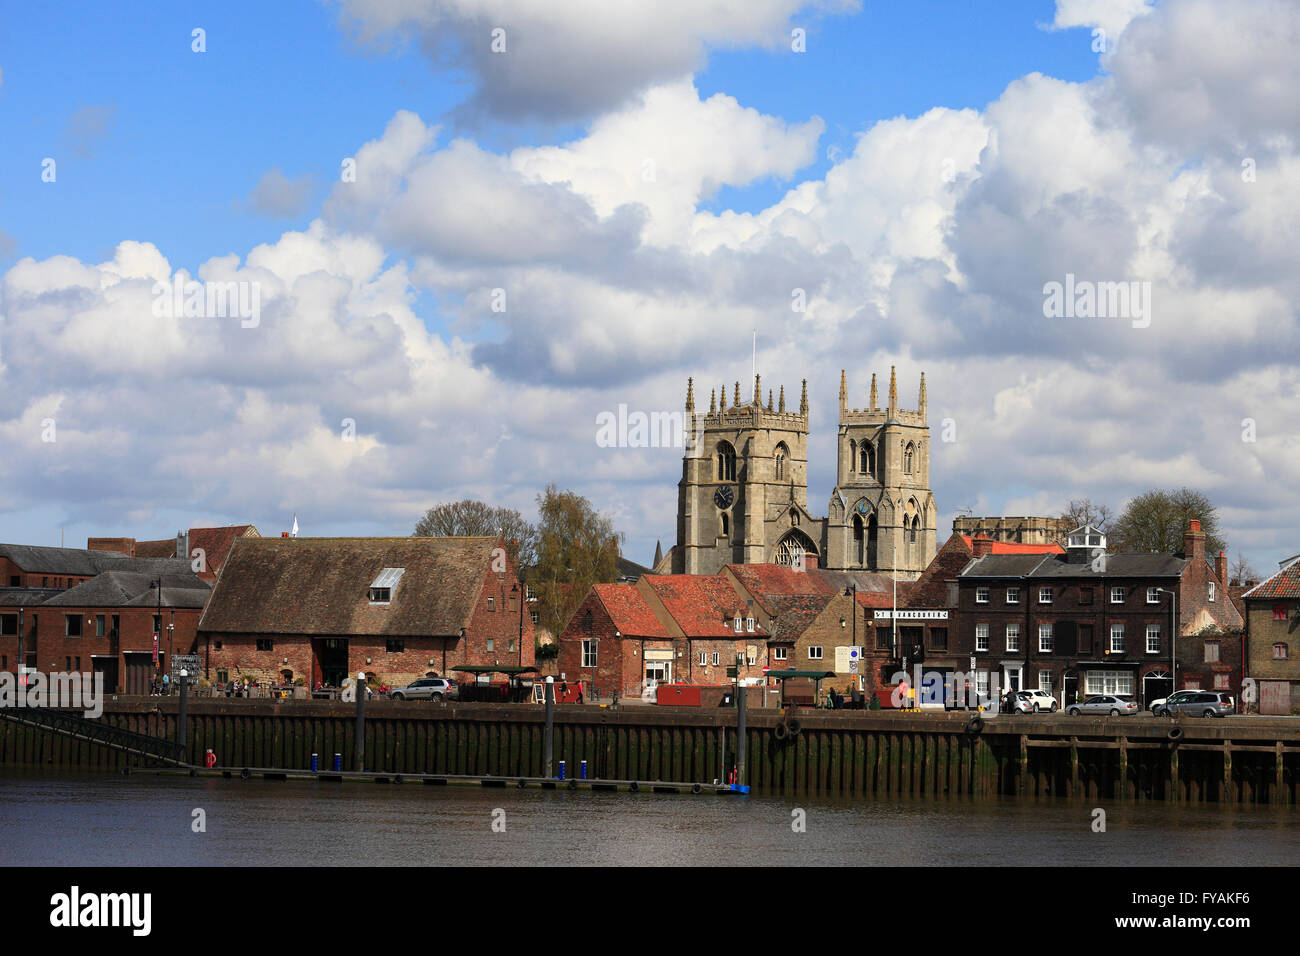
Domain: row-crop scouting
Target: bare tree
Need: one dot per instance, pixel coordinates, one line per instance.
(1082, 512)
(1241, 571)
(477, 519)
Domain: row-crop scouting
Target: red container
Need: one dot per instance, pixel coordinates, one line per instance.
(677, 695)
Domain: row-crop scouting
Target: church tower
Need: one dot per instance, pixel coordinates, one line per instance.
(743, 495)
(882, 514)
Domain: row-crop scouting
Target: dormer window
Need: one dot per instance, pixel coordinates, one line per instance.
(383, 587)
(737, 623)
(1213, 590)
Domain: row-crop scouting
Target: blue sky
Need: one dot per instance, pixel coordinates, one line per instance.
(1065, 162)
(187, 136)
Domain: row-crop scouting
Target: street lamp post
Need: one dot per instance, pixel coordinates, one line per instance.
(1173, 638)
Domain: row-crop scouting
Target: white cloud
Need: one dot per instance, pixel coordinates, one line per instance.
(1111, 15)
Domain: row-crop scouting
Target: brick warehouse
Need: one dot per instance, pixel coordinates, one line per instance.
(1273, 616)
(321, 609)
(83, 610)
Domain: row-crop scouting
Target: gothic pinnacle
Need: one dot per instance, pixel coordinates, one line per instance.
(736, 403)
(690, 395)
(781, 407)
(844, 390)
(769, 399)
(713, 401)
(722, 401)
(875, 397)
(758, 390)
(922, 401)
(803, 401)
(893, 393)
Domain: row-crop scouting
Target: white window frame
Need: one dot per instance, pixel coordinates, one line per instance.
(750, 659)
(1044, 595)
(1117, 638)
(1214, 588)
(1117, 595)
(738, 624)
(981, 595)
(982, 683)
(1114, 683)
(1013, 595)
(1046, 639)
(1153, 595)
(815, 652)
(1218, 652)
(749, 625)
(1221, 681)
(716, 657)
(1153, 638)
(981, 637)
(1013, 637)
(780, 653)
(704, 658)
(1045, 681)
(589, 652)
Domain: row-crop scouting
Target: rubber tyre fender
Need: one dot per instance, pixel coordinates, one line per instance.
(781, 732)
(793, 726)
(696, 788)
(522, 783)
(634, 787)
(245, 774)
(573, 784)
(1175, 733)
(975, 724)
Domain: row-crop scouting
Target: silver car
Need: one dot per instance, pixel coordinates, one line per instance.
(1164, 707)
(427, 688)
(1103, 704)
(1205, 703)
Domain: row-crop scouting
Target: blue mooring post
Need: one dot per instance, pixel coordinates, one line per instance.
(315, 762)
(338, 762)
(361, 722)
(582, 770)
(561, 769)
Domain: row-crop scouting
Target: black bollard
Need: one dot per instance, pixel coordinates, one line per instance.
(361, 721)
(740, 735)
(180, 710)
(549, 736)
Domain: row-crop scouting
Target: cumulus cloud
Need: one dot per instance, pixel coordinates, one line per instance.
(567, 60)
(1112, 16)
(279, 197)
(566, 282)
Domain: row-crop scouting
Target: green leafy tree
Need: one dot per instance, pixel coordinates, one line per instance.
(1158, 519)
(576, 548)
(477, 519)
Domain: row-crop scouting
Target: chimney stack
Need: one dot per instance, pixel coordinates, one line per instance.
(1194, 542)
(1221, 569)
(981, 545)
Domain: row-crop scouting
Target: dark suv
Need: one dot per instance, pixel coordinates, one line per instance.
(1204, 703)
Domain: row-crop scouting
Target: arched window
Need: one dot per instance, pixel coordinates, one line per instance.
(859, 541)
(726, 462)
(853, 454)
(872, 561)
(867, 460)
(726, 524)
(916, 524)
(908, 455)
(781, 454)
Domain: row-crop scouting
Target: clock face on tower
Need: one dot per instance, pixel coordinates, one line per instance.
(724, 496)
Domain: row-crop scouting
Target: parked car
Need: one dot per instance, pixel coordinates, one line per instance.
(427, 688)
(1103, 704)
(1041, 700)
(1160, 707)
(1205, 703)
(1015, 702)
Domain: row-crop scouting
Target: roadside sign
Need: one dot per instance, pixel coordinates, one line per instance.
(155, 648)
(853, 667)
(766, 669)
(972, 662)
(191, 663)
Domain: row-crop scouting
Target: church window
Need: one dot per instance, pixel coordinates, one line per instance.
(908, 455)
(726, 462)
(859, 541)
(726, 524)
(867, 459)
(853, 454)
(781, 453)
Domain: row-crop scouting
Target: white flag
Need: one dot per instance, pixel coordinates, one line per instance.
(294, 532)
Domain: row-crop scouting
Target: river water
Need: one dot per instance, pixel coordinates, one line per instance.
(108, 820)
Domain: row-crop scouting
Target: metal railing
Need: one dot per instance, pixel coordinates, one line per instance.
(97, 732)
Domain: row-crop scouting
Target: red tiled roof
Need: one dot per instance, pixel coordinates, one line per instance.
(874, 599)
(629, 611)
(165, 548)
(765, 581)
(1011, 547)
(216, 542)
(1284, 584)
(703, 605)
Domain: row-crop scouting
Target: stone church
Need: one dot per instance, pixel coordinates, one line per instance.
(743, 497)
